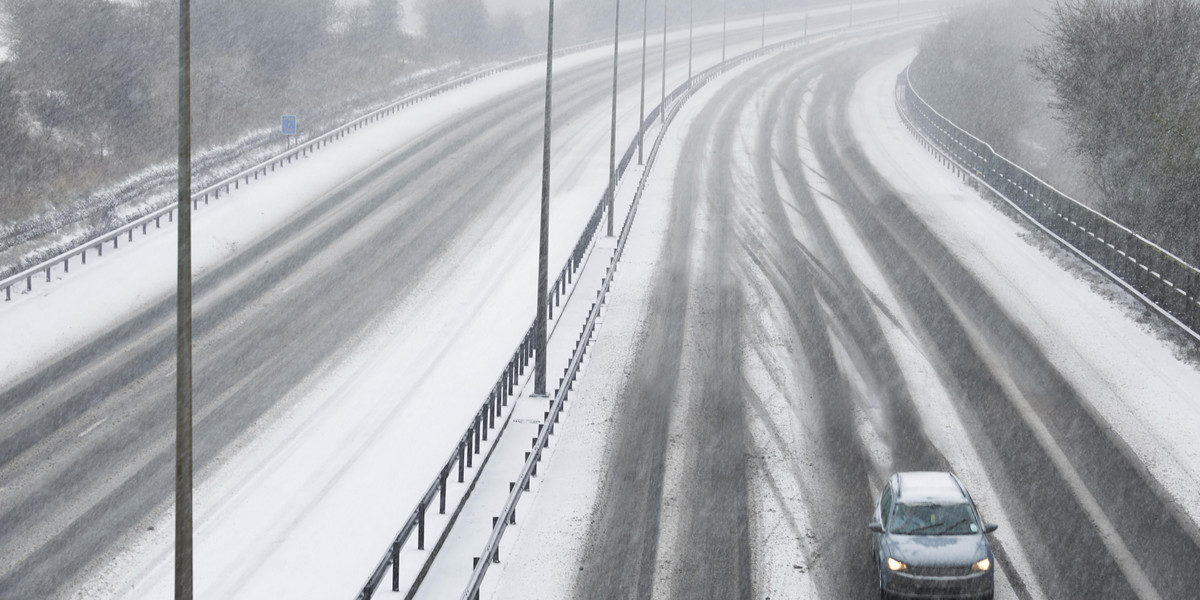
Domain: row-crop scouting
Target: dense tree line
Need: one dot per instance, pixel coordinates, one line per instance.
(1120, 77)
(88, 93)
(1126, 75)
(971, 69)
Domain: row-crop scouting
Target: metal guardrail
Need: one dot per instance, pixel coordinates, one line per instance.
(532, 458)
(1157, 277)
(234, 182)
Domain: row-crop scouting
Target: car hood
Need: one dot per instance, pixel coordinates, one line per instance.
(936, 550)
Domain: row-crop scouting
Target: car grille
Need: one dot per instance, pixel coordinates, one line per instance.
(939, 571)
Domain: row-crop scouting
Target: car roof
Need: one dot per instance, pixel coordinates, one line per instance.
(928, 486)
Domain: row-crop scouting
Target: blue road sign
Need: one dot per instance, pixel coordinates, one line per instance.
(289, 125)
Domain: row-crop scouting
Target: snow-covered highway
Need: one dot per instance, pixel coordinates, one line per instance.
(808, 303)
(374, 288)
(817, 303)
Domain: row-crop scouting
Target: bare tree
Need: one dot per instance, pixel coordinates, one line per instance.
(1126, 74)
(971, 69)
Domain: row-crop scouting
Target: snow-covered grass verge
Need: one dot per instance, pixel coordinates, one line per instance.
(63, 225)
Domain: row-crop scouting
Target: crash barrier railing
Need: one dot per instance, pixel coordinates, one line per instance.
(507, 516)
(96, 245)
(1157, 277)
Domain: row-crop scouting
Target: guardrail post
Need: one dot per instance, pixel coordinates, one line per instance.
(478, 431)
(461, 452)
(421, 526)
(512, 381)
(482, 417)
(512, 516)
(47, 274)
(442, 490)
(475, 563)
(29, 283)
(470, 452)
(395, 566)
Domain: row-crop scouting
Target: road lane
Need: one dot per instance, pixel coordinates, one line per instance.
(981, 347)
(85, 444)
(767, 224)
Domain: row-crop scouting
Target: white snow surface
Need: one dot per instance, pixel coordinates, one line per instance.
(1092, 332)
(1120, 362)
(304, 504)
(272, 519)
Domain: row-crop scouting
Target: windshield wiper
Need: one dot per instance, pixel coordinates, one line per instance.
(945, 528)
(922, 528)
(956, 524)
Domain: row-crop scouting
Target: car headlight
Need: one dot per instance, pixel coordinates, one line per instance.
(895, 565)
(982, 565)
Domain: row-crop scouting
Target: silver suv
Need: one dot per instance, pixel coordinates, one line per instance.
(928, 540)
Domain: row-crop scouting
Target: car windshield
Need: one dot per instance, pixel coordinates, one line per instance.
(934, 519)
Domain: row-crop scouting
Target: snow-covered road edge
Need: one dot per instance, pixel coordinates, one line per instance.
(1137, 379)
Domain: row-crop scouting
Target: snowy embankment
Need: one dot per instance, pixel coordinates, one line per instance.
(1134, 372)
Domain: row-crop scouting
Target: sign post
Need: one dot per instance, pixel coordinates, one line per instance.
(289, 127)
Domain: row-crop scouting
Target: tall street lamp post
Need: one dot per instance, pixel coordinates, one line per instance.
(539, 377)
(764, 25)
(724, 25)
(642, 110)
(691, 29)
(612, 146)
(183, 321)
(662, 104)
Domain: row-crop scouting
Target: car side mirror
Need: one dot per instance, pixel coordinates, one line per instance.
(876, 526)
(990, 527)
